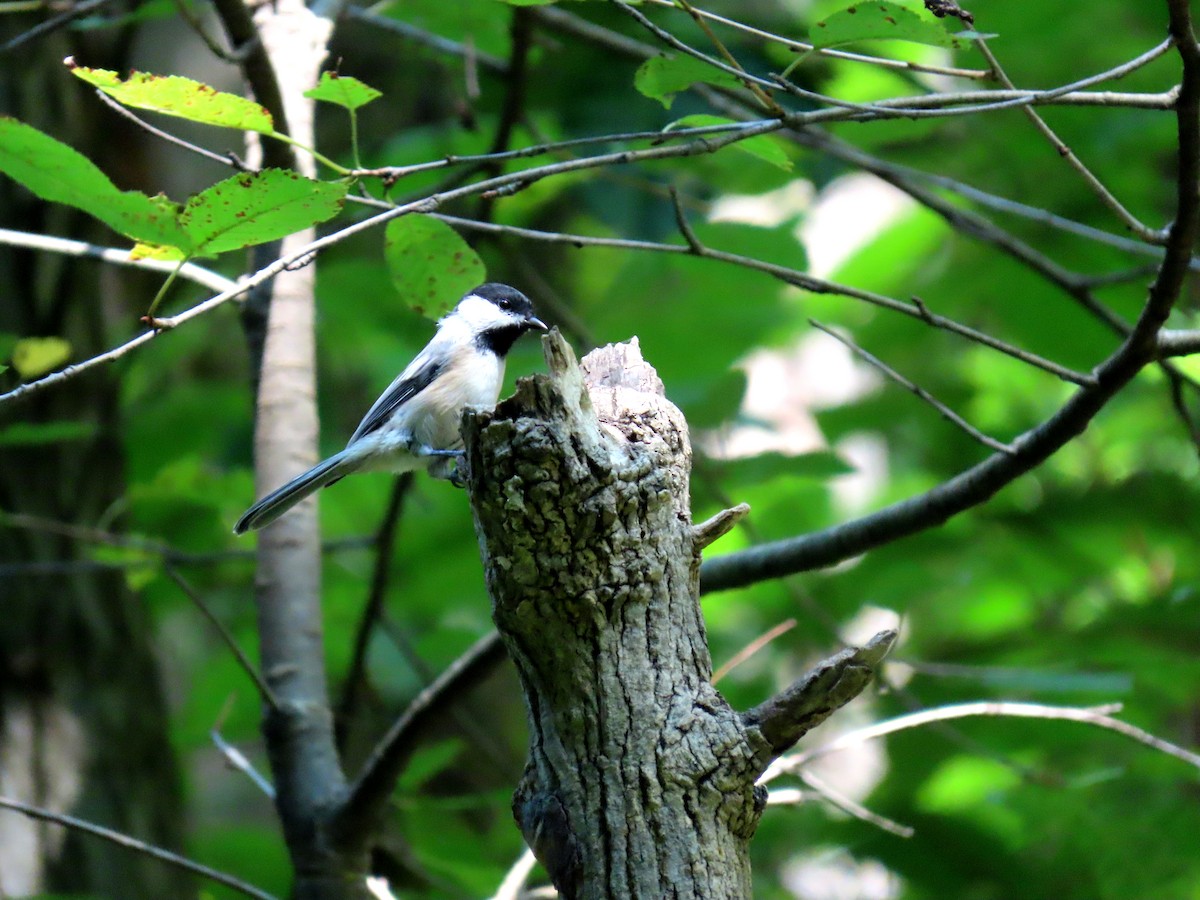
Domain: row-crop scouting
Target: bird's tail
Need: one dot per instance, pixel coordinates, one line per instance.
(279, 501)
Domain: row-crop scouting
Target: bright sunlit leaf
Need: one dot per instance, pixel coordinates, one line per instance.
(36, 356)
(174, 95)
(343, 90)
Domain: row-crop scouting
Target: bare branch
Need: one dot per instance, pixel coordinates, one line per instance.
(368, 795)
(238, 761)
(514, 882)
(946, 412)
(752, 648)
(786, 717)
(214, 281)
(1098, 188)
(1178, 343)
(132, 843)
(248, 667)
(789, 276)
(571, 23)
(426, 38)
(719, 525)
(385, 542)
(1095, 715)
(849, 805)
(423, 205)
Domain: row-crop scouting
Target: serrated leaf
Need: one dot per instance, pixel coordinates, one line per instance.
(662, 77)
(59, 174)
(36, 356)
(28, 434)
(174, 95)
(255, 207)
(343, 90)
(431, 266)
(764, 146)
(879, 20)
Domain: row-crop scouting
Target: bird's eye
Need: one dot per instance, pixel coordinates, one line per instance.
(506, 304)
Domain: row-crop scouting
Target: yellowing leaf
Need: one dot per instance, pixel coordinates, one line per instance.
(36, 356)
(174, 95)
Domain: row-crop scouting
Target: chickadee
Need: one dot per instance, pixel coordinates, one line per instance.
(415, 423)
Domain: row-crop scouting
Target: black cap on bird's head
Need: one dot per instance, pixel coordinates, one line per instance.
(508, 315)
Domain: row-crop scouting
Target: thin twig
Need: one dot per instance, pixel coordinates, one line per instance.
(848, 804)
(750, 81)
(370, 790)
(238, 760)
(224, 159)
(132, 843)
(426, 38)
(425, 204)
(53, 24)
(1098, 188)
(580, 27)
(385, 542)
(515, 880)
(789, 276)
(945, 411)
(764, 98)
(1092, 715)
(244, 661)
(752, 648)
(214, 281)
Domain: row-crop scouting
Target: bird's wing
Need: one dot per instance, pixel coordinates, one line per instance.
(418, 376)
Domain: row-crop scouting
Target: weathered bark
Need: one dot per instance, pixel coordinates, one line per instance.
(640, 781)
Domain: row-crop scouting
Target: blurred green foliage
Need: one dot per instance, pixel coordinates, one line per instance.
(1076, 585)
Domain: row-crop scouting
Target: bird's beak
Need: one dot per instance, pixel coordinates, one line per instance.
(535, 322)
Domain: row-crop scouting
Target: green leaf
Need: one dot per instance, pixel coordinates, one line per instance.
(662, 77)
(343, 90)
(252, 208)
(764, 146)
(36, 356)
(875, 20)
(28, 434)
(174, 95)
(59, 174)
(820, 465)
(429, 761)
(431, 266)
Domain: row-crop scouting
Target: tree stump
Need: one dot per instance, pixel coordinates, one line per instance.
(640, 781)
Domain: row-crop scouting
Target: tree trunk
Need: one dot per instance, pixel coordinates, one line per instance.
(640, 781)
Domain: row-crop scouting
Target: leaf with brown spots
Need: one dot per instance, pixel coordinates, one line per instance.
(253, 208)
(902, 20)
(174, 95)
(431, 266)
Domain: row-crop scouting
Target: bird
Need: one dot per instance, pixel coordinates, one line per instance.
(415, 423)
